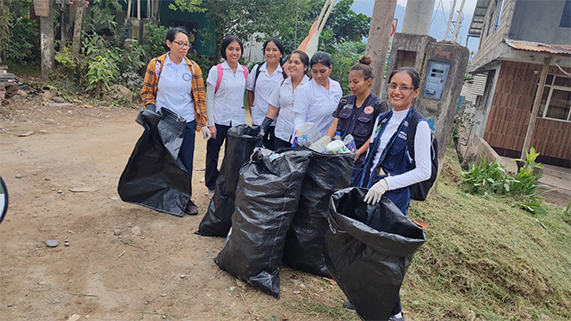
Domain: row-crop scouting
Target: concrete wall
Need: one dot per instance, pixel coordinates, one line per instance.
(539, 21)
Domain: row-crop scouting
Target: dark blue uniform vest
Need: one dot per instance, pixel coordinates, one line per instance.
(394, 160)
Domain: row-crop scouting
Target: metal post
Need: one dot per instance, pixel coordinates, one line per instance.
(450, 19)
(418, 17)
(458, 22)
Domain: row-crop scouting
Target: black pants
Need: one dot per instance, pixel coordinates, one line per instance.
(397, 307)
(212, 153)
(269, 138)
(186, 153)
(281, 144)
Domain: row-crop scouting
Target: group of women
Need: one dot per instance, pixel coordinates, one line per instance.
(282, 97)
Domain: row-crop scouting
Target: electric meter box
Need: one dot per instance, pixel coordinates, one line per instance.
(436, 76)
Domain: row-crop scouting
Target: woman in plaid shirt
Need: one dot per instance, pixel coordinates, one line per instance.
(175, 82)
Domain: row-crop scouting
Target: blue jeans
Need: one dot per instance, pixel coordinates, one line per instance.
(186, 153)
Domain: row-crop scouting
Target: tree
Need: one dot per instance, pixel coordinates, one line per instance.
(255, 19)
(77, 26)
(345, 25)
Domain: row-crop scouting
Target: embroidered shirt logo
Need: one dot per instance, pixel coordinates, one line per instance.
(369, 110)
(186, 76)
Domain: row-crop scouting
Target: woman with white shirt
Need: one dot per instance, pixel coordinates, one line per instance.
(316, 101)
(388, 167)
(281, 99)
(175, 82)
(224, 103)
(264, 79)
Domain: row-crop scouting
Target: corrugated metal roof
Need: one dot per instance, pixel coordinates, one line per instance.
(553, 49)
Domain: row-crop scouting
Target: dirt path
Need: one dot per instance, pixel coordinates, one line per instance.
(166, 272)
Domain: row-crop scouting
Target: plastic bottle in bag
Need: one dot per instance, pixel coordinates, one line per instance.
(349, 142)
(336, 147)
(321, 144)
(337, 136)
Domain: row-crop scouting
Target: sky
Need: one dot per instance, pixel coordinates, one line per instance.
(440, 17)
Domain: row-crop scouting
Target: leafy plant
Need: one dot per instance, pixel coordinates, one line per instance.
(131, 57)
(487, 177)
(101, 74)
(155, 38)
(24, 46)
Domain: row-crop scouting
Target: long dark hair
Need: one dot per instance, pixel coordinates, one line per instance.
(409, 71)
(276, 42)
(171, 35)
(321, 57)
(226, 42)
(303, 57)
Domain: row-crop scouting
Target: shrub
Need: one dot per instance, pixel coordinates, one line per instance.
(24, 46)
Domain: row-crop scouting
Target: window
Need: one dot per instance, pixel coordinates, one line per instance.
(566, 16)
(499, 6)
(556, 99)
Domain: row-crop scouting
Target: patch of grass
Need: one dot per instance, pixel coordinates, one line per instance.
(487, 259)
(23, 70)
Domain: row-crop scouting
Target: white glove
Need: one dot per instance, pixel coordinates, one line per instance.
(376, 191)
(206, 134)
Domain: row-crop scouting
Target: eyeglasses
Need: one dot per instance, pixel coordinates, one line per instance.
(182, 44)
(402, 88)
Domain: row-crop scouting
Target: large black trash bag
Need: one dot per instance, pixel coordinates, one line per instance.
(266, 201)
(369, 250)
(242, 140)
(306, 237)
(155, 176)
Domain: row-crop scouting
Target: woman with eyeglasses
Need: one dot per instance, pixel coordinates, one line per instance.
(388, 166)
(175, 82)
(315, 101)
(281, 99)
(260, 86)
(356, 113)
(225, 89)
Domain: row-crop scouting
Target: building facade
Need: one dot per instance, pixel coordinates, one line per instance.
(521, 41)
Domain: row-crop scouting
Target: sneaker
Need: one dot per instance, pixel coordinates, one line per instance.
(210, 193)
(348, 305)
(397, 317)
(191, 209)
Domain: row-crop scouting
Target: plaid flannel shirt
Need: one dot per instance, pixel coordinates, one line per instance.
(198, 94)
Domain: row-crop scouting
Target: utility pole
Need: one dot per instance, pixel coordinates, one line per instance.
(418, 17)
(378, 41)
(458, 22)
(47, 41)
(450, 19)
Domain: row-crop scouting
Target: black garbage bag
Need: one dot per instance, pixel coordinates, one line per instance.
(155, 176)
(369, 250)
(266, 202)
(306, 237)
(242, 140)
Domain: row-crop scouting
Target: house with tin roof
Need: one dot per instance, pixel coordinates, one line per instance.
(524, 62)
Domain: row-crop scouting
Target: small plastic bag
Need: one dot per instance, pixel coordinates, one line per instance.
(308, 135)
(320, 145)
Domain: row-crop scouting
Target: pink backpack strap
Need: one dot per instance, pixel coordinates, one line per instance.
(220, 74)
(245, 72)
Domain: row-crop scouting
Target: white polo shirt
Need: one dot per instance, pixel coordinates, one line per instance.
(174, 87)
(228, 106)
(313, 103)
(282, 98)
(262, 90)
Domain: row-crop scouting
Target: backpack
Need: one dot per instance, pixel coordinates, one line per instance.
(221, 73)
(420, 190)
(282, 61)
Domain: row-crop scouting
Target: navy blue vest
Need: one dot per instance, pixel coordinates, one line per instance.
(394, 160)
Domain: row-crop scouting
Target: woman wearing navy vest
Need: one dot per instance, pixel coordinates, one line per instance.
(356, 113)
(388, 166)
